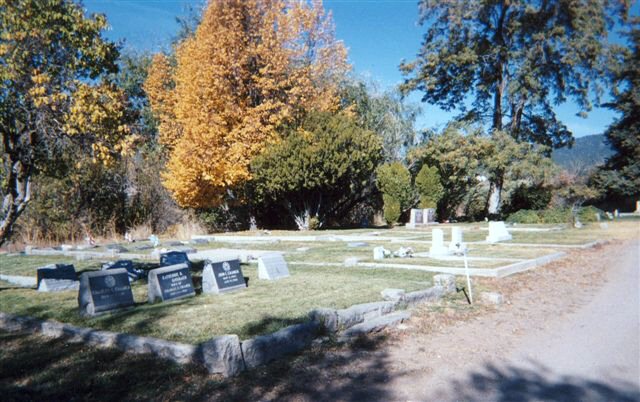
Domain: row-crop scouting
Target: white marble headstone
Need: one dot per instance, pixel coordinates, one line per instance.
(438, 248)
(272, 267)
(498, 232)
(456, 245)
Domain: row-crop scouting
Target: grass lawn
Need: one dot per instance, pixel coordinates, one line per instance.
(262, 308)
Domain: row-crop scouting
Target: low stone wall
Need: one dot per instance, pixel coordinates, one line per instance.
(226, 354)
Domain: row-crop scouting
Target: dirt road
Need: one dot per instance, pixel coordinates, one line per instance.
(569, 331)
(592, 353)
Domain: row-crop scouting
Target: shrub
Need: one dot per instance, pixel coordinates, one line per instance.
(555, 215)
(392, 210)
(429, 187)
(394, 181)
(524, 216)
(588, 214)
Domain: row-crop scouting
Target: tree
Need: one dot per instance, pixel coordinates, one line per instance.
(386, 114)
(429, 186)
(504, 159)
(455, 155)
(394, 181)
(319, 171)
(515, 60)
(52, 63)
(250, 68)
(620, 176)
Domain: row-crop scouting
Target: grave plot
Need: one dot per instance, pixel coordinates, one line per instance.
(263, 307)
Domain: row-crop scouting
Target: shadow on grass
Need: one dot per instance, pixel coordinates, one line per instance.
(511, 383)
(38, 368)
(268, 325)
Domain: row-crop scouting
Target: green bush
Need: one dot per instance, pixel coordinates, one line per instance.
(588, 214)
(391, 209)
(429, 187)
(555, 215)
(524, 216)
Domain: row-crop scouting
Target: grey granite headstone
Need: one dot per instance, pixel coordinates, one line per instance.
(170, 283)
(103, 291)
(222, 276)
(56, 271)
(57, 285)
(272, 267)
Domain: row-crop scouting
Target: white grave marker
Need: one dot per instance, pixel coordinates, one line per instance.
(498, 232)
(378, 253)
(456, 245)
(438, 248)
(272, 267)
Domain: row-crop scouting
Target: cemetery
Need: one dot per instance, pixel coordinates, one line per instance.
(229, 190)
(254, 285)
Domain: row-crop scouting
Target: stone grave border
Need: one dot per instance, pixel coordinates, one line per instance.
(226, 354)
(499, 272)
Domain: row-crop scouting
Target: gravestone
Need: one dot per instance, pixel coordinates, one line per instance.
(170, 283)
(57, 285)
(272, 267)
(379, 253)
(456, 245)
(134, 273)
(438, 248)
(56, 271)
(637, 211)
(498, 232)
(174, 258)
(222, 276)
(419, 217)
(103, 291)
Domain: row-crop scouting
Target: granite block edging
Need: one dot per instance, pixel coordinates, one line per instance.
(226, 354)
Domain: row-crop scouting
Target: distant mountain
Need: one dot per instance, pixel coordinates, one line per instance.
(587, 152)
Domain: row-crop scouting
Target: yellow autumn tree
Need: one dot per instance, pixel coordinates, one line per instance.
(250, 67)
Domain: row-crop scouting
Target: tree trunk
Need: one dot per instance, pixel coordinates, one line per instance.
(495, 193)
(17, 195)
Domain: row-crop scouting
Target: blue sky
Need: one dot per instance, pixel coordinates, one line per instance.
(379, 35)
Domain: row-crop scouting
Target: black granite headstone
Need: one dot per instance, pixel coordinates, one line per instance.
(174, 258)
(56, 271)
(222, 276)
(102, 291)
(134, 273)
(169, 283)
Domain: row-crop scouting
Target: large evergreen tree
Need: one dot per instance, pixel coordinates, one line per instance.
(514, 60)
(620, 176)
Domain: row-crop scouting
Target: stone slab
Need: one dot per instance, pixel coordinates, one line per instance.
(104, 291)
(56, 271)
(266, 348)
(360, 312)
(222, 276)
(375, 325)
(272, 267)
(170, 283)
(174, 258)
(57, 285)
(422, 296)
(222, 355)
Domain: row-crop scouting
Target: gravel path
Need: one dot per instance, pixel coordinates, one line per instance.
(569, 332)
